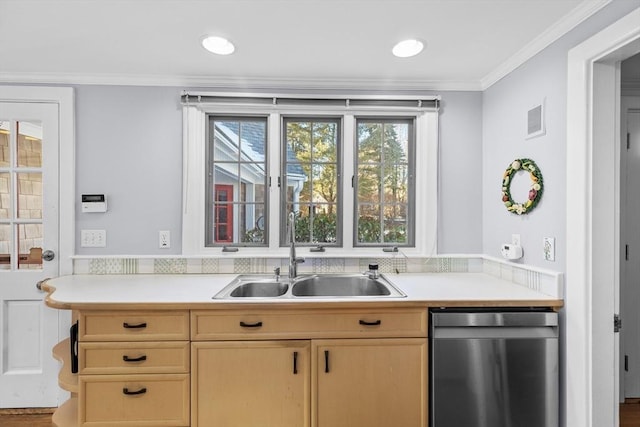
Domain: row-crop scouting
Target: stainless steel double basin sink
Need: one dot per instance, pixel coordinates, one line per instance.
(309, 286)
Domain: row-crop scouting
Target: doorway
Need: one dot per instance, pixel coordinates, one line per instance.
(630, 230)
(36, 237)
(593, 189)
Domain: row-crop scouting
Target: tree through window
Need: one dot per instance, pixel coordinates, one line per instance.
(384, 186)
(311, 168)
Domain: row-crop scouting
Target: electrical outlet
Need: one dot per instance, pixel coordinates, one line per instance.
(549, 248)
(93, 238)
(164, 239)
(515, 239)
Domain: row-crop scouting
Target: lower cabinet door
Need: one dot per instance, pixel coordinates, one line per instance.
(370, 382)
(250, 384)
(134, 400)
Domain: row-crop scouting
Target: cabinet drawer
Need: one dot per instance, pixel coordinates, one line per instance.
(297, 324)
(134, 400)
(134, 326)
(129, 357)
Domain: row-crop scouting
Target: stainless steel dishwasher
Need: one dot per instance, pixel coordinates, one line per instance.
(494, 368)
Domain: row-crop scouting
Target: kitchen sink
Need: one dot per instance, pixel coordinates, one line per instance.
(333, 285)
(309, 286)
(261, 289)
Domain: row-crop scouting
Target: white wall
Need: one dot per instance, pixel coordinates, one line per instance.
(505, 105)
(129, 146)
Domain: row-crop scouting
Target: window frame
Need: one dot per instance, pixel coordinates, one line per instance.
(210, 238)
(283, 191)
(194, 144)
(411, 184)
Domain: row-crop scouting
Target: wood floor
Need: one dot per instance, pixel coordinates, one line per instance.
(629, 417)
(26, 417)
(630, 413)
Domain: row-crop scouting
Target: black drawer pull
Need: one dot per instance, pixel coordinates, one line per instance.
(136, 326)
(250, 325)
(374, 323)
(295, 362)
(126, 391)
(326, 361)
(134, 359)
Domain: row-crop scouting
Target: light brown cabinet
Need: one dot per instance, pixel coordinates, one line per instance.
(319, 367)
(133, 369)
(369, 382)
(352, 369)
(251, 383)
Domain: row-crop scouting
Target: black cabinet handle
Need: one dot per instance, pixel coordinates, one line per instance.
(250, 325)
(134, 326)
(73, 333)
(374, 323)
(295, 362)
(126, 391)
(134, 359)
(326, 361)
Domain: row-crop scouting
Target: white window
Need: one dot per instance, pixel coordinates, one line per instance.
(346, 167)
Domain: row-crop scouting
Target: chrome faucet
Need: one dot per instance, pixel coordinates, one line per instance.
(293, 260)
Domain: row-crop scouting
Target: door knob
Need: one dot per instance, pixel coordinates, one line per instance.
(48, 255)
(42, 282)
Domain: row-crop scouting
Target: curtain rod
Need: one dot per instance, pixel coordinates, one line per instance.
(289, 100)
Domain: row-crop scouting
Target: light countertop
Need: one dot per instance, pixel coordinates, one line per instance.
(190, 291)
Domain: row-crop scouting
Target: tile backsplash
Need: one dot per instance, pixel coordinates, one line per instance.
(545, 281)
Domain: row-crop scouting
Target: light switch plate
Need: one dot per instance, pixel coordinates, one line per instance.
(549, 248)
(93, 238)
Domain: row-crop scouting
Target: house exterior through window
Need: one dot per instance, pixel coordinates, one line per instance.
(347, 172)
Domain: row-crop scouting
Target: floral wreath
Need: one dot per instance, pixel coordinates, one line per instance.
(535, 193)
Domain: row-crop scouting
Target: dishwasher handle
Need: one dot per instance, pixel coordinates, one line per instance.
(494, 319)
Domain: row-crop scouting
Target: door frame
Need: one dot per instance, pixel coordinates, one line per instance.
(592, 221)
(230, 212)
(64, 98)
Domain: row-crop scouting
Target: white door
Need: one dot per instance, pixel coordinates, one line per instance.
(29, 147)
(630, 288)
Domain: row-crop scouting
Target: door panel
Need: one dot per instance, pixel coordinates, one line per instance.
(630, 286)
(29, 144)
(224, 213)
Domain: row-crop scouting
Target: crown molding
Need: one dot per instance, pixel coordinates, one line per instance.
(553, 33)
(240, 82)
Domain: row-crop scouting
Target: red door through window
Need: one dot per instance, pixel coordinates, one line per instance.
(223, 213)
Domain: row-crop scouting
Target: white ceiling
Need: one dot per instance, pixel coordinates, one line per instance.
(309, 44)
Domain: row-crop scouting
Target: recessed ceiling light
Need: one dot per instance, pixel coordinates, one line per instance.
(218, 45)
(407, 48)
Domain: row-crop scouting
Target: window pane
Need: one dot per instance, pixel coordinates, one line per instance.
(368, 184)
(396, 182)
(324, 142)
(369, 142)
(29, 144)
(325, 183)
(4, 144)
(5, 196)
(30, 195)
(395, 224)
(369, 223)
(312, 179)
(5, 247)
(298, 136)
(252, 225)
(29, 246)
(384, 185)
(237, 159)
(324, 224)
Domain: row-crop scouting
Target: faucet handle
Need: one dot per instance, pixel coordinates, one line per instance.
(373, 271)
(276, 271)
